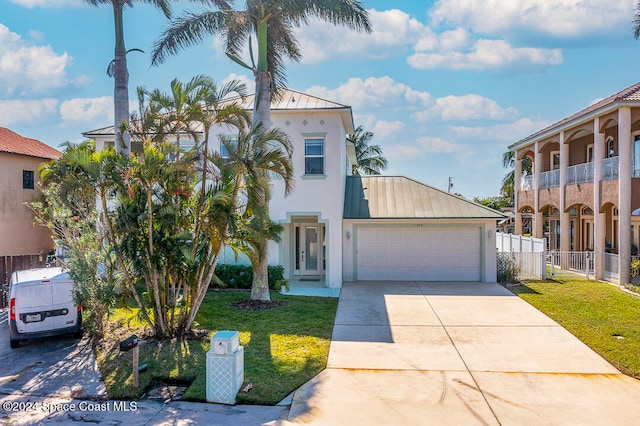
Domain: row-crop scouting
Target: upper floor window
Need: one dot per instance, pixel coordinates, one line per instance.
(610, 150)
(555, 160)
(590, 153)
(314, 156)
(27, 179)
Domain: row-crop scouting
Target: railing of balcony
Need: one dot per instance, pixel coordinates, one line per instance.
(526, 184)
(550, 179)
(610, 168)
(580, 173)
(636, 166)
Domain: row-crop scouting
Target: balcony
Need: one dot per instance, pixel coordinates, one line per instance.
(550, 179)
(526, 184)
(610, 168)
(580, 173)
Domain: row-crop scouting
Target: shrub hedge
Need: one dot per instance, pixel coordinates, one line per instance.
(241, 276)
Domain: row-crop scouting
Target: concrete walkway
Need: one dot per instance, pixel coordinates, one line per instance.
(458, 354)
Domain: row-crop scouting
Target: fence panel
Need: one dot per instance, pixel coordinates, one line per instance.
(518, 243)
(528, 265)
(8, 264)
(577, 262)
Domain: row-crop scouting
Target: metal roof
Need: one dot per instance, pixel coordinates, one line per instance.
(14, 143)
(287, 100)
(398, 197)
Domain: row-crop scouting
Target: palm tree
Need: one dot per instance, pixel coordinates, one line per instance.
(118, 67)
(257, 155)
(272, 22)
(369, 157)
(636, 21)
(507, 187)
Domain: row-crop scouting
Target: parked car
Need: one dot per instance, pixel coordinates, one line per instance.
(41, 304)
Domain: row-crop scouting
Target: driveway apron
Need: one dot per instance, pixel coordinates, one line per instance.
(420, 353)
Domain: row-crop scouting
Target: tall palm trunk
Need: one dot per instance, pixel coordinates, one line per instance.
(121, 86)
(262, 115)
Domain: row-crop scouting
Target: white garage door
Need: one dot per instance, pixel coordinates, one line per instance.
(428, 253)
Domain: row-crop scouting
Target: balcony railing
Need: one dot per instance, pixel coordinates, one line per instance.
(610, 168)
(636, 166)
(550, 179)
(526, 184)
(580, 173)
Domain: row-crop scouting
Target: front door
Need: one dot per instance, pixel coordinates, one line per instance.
(310, 249)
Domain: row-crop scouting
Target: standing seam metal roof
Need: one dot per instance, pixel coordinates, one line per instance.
(398, 197)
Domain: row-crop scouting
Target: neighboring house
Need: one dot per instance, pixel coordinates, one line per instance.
(20, 158)
(328, 235)
(584, 194)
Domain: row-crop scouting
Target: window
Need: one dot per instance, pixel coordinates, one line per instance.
(230, 141)
(590, 153)
(555, 160)
(610, 151)
(27, 179)
(314, 156)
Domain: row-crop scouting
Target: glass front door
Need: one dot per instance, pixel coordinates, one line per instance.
(309, 249)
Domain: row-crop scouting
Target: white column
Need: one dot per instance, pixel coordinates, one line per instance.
(565, 228)
(599, 218)
(517, 184)
(624, 193)
(537, 230)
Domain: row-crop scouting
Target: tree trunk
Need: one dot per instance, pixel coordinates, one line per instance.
(260, 286)
(121, 85)
(262, 102)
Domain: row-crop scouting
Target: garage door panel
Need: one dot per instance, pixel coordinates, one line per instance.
(419, 253)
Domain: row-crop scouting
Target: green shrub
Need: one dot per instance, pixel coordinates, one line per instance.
(241, 276)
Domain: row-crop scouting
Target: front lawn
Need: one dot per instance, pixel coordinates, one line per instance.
(599, 314)
(284, 347)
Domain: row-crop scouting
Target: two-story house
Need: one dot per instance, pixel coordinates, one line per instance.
(583, 190)
(339, 227)
(20, 158)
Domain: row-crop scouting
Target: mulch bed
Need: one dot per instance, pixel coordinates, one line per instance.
(258, 305)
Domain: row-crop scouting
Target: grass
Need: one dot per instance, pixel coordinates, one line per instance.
(601, 315)
(284, 348)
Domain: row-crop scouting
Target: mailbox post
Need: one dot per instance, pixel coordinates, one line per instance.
(132, 342)
(225, 367)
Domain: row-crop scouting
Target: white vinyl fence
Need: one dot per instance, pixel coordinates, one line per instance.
(525, 255)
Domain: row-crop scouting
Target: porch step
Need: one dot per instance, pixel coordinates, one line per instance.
(295, 290)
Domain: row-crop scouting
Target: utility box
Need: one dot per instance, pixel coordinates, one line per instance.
(225, 367)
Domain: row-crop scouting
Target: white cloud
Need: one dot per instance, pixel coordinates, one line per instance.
(464, 108)
(402, 151)
(87, 110)
(438, 145)
(555, 18)
(26, 111)
(506, 132)
(384, 129)
(483, 54)
(373, 92)
(249, 82)
(27, 69)
(392, 31)
(46, 3)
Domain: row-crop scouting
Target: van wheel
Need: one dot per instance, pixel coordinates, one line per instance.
(77, 334)
(14, 343)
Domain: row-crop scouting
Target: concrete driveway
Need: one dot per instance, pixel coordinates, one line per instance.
(416, 353)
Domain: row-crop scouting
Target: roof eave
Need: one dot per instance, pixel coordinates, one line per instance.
(557, 128)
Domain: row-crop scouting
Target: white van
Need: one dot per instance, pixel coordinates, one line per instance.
(41, 304)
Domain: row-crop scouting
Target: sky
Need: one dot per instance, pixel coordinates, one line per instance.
(446, 86)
